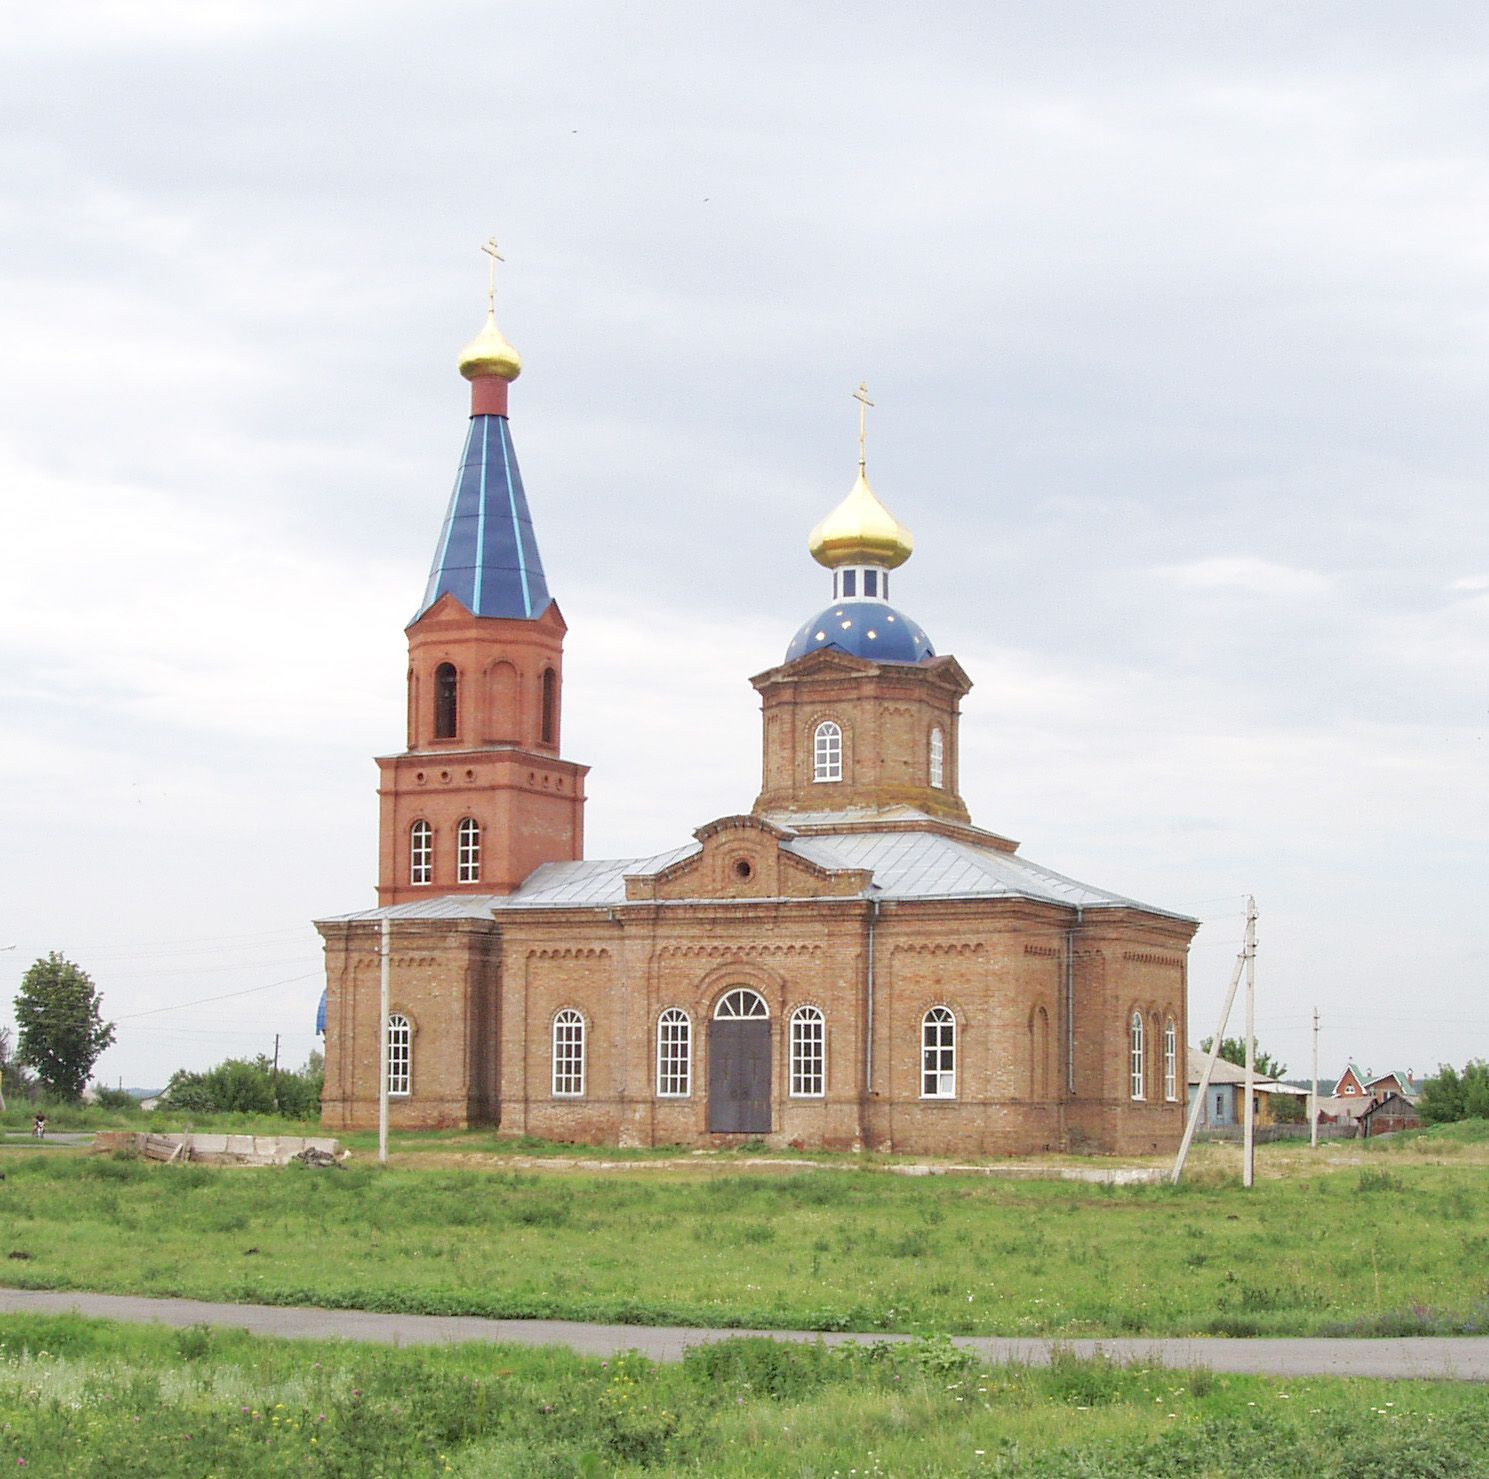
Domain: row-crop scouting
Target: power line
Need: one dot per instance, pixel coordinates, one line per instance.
(224, 996)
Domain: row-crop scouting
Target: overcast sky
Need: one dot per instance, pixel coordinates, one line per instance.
(1177, 322)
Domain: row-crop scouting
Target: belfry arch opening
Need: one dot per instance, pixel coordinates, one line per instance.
(446, 701)
(549, 730)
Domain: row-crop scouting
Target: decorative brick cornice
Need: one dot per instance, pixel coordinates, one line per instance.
(751, 952)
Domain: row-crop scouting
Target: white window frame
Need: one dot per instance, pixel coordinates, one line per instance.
(468, 851)
(674, 1054)
(1137, 1054)
(938, 759)
(1170, 1061)
(808, 1053)
(938, 1054)
(568, 1054)
(400, 1056)
(421, 854)
(827, 751)
(741, 1005)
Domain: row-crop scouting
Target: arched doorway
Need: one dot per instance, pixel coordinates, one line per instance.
(739, 1065)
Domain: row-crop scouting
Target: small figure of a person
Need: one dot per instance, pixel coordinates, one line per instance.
(39, 1129)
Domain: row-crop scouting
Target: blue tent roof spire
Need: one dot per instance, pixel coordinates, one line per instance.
(487, 556)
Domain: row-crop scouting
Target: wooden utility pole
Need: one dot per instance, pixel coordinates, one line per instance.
(274, 1077)
(1248, 1167)
(1313, 1098)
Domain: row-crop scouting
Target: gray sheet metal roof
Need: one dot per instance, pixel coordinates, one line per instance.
(906, 865)
(927, 865)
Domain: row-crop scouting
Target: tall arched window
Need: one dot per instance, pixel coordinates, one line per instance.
(827, 752)
(808, 1053)
(938, 1054)
(1170, 1061)
(421, 853)
(568, 1054)
(400, 1056)
(1139, 1075)
(938, 759)
(446, 701)
(468, 852)
(674, 1054)
(550, 707)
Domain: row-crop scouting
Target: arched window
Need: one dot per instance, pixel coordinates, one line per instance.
(550, 707)
(568, 1055)
(827, 752)
(739, 1005)
(808, 1053)
(674, 1054)
(421, 853)
(1170, 1061)
(1139, 1077)
(938, 1054)
(938, 759)
(1039, 1054)
(446, 701)
(400, 1056)
(468, 852)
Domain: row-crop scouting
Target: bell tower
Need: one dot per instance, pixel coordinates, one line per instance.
(481, 796)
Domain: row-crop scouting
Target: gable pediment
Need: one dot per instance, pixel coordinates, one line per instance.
(745, 857)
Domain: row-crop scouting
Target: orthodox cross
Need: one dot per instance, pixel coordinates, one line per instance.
(490, 249)
(861, 395)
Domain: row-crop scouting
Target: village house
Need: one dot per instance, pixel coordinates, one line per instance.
(1225, 1097)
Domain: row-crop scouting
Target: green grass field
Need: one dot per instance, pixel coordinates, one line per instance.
(90, 1398)
(1355, 1239)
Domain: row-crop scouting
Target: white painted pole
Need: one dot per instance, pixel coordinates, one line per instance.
(385, 984)
(1197, 1108)
(1313, 1098)
(1248, 1169)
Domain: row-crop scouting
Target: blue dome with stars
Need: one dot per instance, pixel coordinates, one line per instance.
(871, 629)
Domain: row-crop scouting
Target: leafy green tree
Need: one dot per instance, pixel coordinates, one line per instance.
(121, 1101)
(1233, 1050)
(1449, 1095)
(244, 1086)
(62, 1031)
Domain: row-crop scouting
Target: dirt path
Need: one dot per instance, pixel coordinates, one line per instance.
(1463, 1358)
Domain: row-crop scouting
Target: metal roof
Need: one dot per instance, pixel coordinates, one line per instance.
(906, 865)
(487, 555)
(928, 865)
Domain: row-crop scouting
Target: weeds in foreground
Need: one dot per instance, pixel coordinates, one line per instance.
(90, 1398)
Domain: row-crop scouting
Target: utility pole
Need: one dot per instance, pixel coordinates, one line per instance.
(384, 983)
(1313, 1098)
(1197, 1108)
(274, 1077)
(1248, 1169)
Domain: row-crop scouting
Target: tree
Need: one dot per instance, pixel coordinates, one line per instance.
(1233, 1050)
(241, 1086)
(1449, 1095)
(62, 1032)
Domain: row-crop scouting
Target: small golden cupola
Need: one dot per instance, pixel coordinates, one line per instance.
(489, 361)
(860, 530)
(860, 541)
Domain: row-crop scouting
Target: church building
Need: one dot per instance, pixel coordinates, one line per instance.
(849, 963)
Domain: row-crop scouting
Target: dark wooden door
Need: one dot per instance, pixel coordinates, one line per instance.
(739, 1077)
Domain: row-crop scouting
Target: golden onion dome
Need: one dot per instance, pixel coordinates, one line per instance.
(490, 354)
(861, 531)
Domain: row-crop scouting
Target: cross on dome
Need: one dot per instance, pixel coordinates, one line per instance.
(489, 355)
